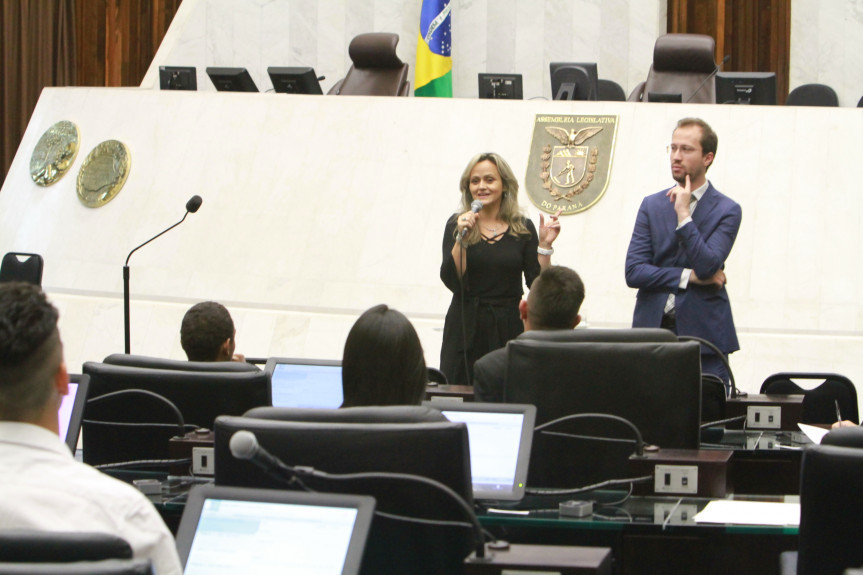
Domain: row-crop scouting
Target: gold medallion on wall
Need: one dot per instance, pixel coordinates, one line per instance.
(570, 161)
(103, 174)
(54, 153)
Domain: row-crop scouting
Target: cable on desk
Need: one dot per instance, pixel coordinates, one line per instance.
(630, 480)
(142, 463)
(723, 421)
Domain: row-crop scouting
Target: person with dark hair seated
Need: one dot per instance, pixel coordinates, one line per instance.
(552, 304)
(42, 487)
(383, 362)
(207, 333)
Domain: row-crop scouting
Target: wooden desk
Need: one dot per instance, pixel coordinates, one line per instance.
(650, 535)
(448, 392)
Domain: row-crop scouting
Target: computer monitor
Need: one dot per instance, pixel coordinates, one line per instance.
(299, 80)
(178, 78)
(500, 436)
(567, 80)
(72, 410)
(232, 80)
(500, 86)
(296, 382)
(237, 530)
(746, 88)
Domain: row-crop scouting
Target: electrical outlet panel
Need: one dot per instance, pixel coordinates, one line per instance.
(674, 513)
(763, 416)
(676, 479)
(202, 461)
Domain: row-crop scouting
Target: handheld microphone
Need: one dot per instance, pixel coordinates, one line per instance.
(475, 207)
(191, 207)
(709, 76)
(244, 445)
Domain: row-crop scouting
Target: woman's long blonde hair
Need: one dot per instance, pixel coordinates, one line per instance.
(510, 212)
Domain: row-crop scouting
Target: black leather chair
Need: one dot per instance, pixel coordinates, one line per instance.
(831, 512)
(148, 362)
(844, 437)
(860, 102)
(819, 403)
(610, 91)
(626, 335)
(30, 546)
(106, 567)
(437, 450)
(365, 414)
(134, 426)
(437, 376)
(812, 95)
(377, 70)
(21, 267)
(656, 386)
(682, 64)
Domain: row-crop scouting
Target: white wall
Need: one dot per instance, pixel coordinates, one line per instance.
(506, 36)
(316, 208)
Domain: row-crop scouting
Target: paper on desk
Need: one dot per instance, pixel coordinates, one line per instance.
(750, 513)
(813, 433)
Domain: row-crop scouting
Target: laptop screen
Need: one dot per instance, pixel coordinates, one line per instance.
(238, 530)
(72, 409)
(305, 382)
(500, 437)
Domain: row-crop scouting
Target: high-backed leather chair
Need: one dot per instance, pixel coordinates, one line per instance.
(21, 267)
(377, 70)
(32, 546)
(813, 95)
(656, 386)
(682, 64)
(105, 567)
(610, 91)
(436, 450)
(831, 512)
(148, 362)
(844, 437)
(819, 403)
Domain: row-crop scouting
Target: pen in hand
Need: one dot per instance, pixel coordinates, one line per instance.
(838, 413)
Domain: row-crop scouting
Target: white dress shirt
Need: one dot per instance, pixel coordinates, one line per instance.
(42, 487)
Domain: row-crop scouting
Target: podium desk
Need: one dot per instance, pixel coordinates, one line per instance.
(764, 462)
(649, 534)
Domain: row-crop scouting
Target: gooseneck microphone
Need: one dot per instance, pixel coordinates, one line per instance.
(244, 445)
(475, 207)
(709, 76)
(191, 207)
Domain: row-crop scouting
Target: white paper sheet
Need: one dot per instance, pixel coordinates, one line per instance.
(813, 433)
(750, 513)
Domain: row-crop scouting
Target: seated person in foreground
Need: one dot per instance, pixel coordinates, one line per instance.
(207, 333)
(42, 487)
(383, 361)
(552, 304)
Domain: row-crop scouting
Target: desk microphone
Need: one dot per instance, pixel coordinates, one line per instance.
(475, 207)
(244, 445)
(709, 76)
(191, 207)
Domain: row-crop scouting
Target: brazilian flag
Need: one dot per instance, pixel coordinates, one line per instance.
(433, 76)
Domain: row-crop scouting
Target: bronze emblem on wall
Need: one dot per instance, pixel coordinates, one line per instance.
(54, 153)
(570, 161)
(103, 173)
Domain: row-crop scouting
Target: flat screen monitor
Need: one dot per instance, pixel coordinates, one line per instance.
(178, 78)
(72, 409)
(300, 80)
(242, 530)
(746, 88)
(500, 437)
(232, 80)
(500, 86)
(298, 382)
(567, 81)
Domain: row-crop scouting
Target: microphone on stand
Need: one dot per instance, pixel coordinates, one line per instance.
(191, 207)
(475, 207)
(709, 76)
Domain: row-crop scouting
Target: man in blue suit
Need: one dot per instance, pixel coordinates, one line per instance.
(677, 253)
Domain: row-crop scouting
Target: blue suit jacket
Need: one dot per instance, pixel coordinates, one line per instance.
(658, 253)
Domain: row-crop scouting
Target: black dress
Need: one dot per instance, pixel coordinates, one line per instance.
(492, 291)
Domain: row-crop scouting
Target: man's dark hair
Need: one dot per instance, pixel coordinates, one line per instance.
(383, 362)
(206, 326)
(709, 139)
(555, 298)
(30, 350)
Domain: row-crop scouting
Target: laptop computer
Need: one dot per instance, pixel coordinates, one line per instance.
(296, 382)
(242, 530)
(501, 436)
(72, 409)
